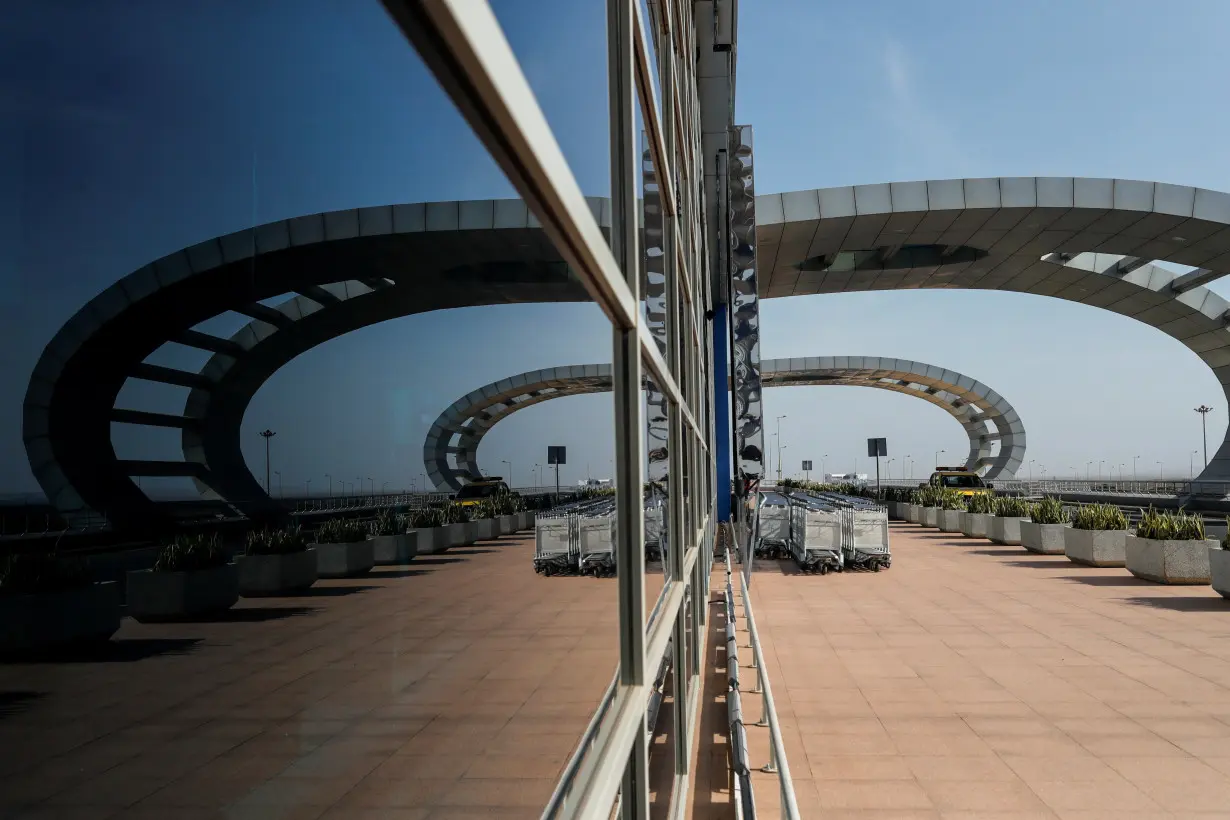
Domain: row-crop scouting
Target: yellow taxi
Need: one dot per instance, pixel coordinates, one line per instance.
(965, 482)
(477, 492)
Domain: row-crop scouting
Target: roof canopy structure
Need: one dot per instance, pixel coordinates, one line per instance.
(984, 414)
(1090, 241)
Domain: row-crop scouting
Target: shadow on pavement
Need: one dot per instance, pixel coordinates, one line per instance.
(120, 650)
(16, 702)
(433, 561)
(398, 573)
(252, 614)
(473, 551)
(1201, 604)
(1000, 552)
(1124, 580)
(331, 592)
(1040, 564)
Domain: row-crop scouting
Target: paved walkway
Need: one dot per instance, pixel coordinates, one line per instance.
(455, 687)
(977, 681)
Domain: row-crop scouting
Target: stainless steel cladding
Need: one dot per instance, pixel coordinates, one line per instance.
(745, 313)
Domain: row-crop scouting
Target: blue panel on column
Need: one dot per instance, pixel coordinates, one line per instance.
(721, 410)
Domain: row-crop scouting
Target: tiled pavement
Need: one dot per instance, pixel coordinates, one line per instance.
(977, 681)
(455, 687)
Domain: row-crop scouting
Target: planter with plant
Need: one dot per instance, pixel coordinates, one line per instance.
(391, 543)
(913, 507)
(427, 528)
(931, 500)
(48, 600)
(1044, 531)
(343, 549)
(1169, 548)
(276, 562)
(1005, 526)
(1219, 565)
(483, 522)
(193, 576)
(980, 509)
(1097, 537)
(458, 529)
(952, 511)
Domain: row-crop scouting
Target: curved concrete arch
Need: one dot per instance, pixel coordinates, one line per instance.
(1090, 241)
(349, 268)
(983, 414)
(1086, 240)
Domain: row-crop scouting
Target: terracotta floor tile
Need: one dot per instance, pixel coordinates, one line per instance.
(873, 794)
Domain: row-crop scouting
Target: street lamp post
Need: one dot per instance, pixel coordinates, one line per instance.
(937, 458)
(823, 459)
(509, 463)
(266, 435)
(1100, 463)
(1031, 469)
(1204, 411)
(1159, 471)
(1190, 461)
(1134, 467)
(910, 462)
(1089, 471)
(779, 448)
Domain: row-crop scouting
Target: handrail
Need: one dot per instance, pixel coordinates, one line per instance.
(742, 794)
(777, 750)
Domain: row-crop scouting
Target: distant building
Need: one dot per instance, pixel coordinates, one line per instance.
(845, 478)
(597, 483)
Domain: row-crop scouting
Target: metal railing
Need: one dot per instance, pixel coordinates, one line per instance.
(744, 797)
(1095, 486)
(777, 750)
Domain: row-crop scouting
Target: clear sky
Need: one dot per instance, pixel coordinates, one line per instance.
(130, 130)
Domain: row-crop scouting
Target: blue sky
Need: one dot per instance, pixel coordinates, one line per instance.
(119, 148)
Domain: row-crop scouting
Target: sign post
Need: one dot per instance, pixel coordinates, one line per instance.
(877, 447)
(807, 469)
(557, 456)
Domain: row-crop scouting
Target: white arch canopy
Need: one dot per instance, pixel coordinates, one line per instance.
(985, 416)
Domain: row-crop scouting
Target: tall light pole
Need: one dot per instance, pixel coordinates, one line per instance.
(910, 460)
(1159, 471)
(1100, 463)
(889, 468)
(779, 448)
(1204, 411)
(823, 459)
(1190, 469)
(937, 458)
(1089, 471)
(1134, 467)
(538, 480)
(1031, 469)
(266, 435)
(509, 463)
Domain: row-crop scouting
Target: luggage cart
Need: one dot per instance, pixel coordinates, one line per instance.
(655, 535)
(864, 531)
(596, 545)
(773, 526)
(816, 530)
(554, 544)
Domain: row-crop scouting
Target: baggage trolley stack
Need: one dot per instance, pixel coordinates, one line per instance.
(773, 526)
(655, 535)
(816, 534)
(554, 544)
(864, 531)
(596, 543)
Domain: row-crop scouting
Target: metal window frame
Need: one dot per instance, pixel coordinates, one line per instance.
(464, 47)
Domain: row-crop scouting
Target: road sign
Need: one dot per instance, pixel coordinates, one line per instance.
(877, 447)
(806, 466)
(557, 455)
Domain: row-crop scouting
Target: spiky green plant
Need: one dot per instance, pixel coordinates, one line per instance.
(387, 522)
(191, 552)
(341, 531)
(981, 503)
(425, 518)
(275, 542)
(35, 573)
(950, 499)
(1011, 507)
(1099, 517)
(1168, 526)
(1049, 511)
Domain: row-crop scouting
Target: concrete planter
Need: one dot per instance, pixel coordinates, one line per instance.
(173, 596)
(1219, 570)
(74, 616)
(1046, 539)
(976, 525)
(1168, 562)
(508, 524)
(486, 528)
(930, 517)
(263, 575)
(345, 560)
(913, 513)
(431, 540)
(951, 520)
(1095, 548)
(1006, 530)
(390, 550)
(525, 520)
